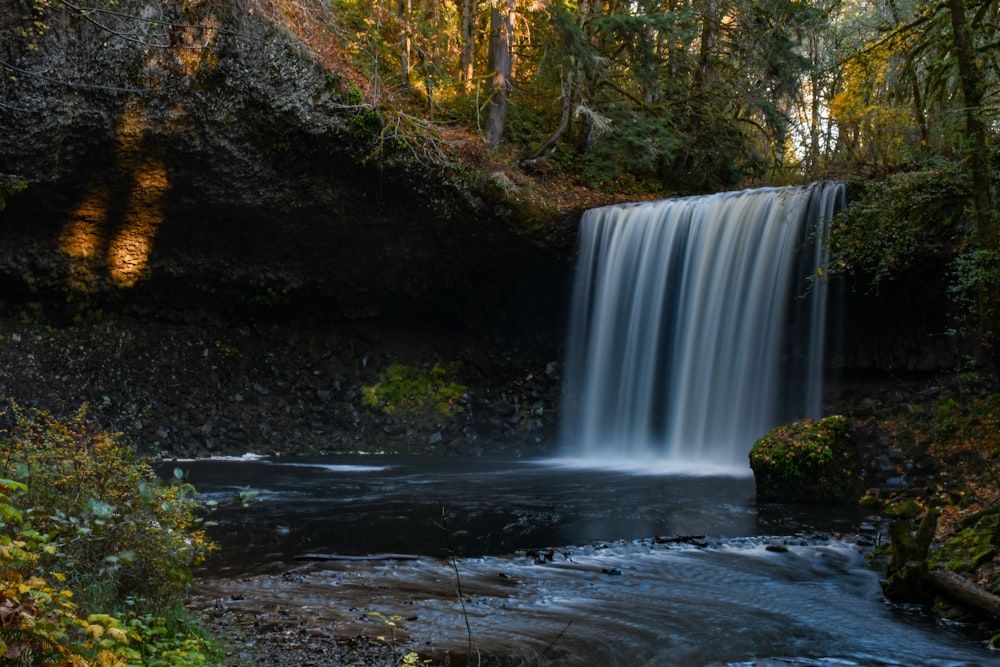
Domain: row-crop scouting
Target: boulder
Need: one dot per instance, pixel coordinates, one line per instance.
(809, 461)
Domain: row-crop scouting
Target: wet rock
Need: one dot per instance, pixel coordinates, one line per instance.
(809, 461)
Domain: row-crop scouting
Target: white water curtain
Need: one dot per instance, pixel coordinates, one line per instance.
(683, 340)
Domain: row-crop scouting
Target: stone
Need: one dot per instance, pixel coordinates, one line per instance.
(809, 461)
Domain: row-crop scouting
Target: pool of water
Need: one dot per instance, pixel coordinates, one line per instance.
(561, 564)
(420, 505)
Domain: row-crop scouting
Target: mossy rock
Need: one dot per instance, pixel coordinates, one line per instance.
(971, 547)
(808, 461)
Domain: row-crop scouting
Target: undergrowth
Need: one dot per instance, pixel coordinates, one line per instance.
(95, 551)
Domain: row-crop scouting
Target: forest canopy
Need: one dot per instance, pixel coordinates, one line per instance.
(665, 96)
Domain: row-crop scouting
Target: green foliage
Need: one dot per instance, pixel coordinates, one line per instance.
(93, 550)
(366, 121)
(632, 152)
(163, 642)
(41, 622)
(34, 614)
(894, 219)
(121, 526)
(354, 95)
(415, 390)
(975, 273)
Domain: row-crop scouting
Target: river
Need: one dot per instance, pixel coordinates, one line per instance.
(558, 564)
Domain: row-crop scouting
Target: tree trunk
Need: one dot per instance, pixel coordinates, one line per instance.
(906, 575)
(501, 29)
(986, 226)
(709, 32)
(405, 10)
(538, 154)
(468, 40)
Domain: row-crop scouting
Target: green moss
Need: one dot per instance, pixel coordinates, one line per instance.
(871, 501)
(10, 185)
(811, 461)
(415, 390)
(971, 547)
(906, 508)
(792, 450)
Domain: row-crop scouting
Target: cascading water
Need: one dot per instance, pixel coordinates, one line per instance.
(695, 326)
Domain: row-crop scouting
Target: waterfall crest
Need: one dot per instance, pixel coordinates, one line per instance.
(695, 326)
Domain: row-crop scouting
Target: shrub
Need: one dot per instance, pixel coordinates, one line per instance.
(119, 524)
(94, 551)
(893, 220)
(39, 624)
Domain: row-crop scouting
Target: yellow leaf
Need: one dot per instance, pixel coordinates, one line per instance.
(96, 631)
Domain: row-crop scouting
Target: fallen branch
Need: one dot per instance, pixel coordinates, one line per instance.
(964, 592)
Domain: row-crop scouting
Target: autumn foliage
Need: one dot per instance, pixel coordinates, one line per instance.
(94, 550)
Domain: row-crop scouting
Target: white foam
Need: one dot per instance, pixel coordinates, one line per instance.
(664, 467)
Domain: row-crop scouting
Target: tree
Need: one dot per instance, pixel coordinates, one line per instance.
(467, 39)
(500, 67)
(972, 85)
(405, 11)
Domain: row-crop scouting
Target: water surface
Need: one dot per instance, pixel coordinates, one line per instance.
(558, 565)
(370, 504)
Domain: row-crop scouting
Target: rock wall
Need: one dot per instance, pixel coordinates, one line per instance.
(235, 176)
(208, 255)
(898, 326)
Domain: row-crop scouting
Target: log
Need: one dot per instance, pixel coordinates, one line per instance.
(964, 592)
(372, 557)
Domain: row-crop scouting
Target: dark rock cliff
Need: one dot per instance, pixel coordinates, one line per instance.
(234, 176)
(205, 206)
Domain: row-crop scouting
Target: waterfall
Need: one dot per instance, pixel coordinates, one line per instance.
(695, 325)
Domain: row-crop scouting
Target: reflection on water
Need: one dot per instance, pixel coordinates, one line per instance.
(609, 593)
(372, 504)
